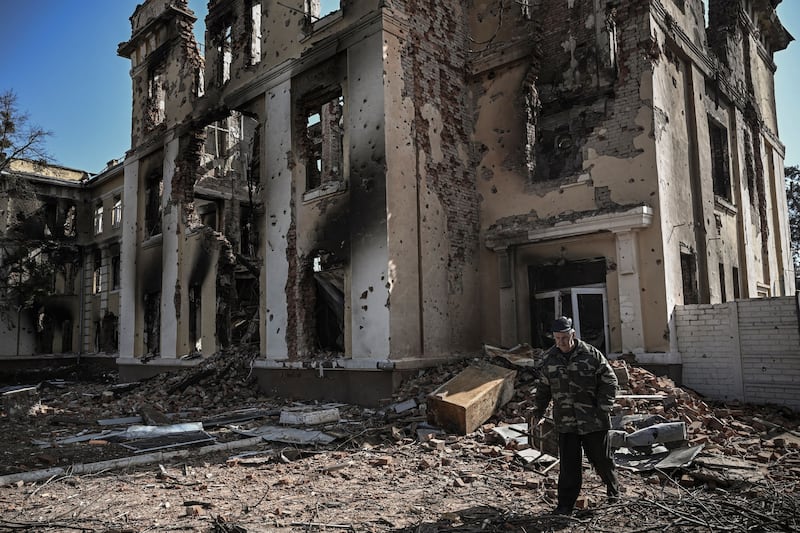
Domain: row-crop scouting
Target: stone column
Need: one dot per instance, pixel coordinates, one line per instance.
(128, 247)
(170, 255)
(630, 302)
(277, 219)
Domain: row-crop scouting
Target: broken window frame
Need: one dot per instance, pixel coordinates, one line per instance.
(720, 159)
(115, 272)
(154, 189)
(224, 48)
(97, 272)
(156, 95)
(691, 289)
(116, 211)
(98, 218)
(255, 34)
(324, 163)
(151, 334)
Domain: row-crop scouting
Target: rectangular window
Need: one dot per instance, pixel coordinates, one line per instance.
(156, 96)
(116, 212)
(97, 274)
(720, 159)
(317, 9)
(224, 54)
(115, 272)
(152, 323)
(98, 219)
(736, 287)
(691, 294)
(722, 291)
(324, 133)
(255, 33)
(152, 215)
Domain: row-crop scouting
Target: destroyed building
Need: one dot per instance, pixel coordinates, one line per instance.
(60, 251)
(388, 185)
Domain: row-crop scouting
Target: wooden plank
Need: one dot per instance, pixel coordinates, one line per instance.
(465, 402)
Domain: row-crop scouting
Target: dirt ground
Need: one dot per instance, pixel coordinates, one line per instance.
(378, 473)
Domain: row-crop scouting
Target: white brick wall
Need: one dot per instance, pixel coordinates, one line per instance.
(746, 350)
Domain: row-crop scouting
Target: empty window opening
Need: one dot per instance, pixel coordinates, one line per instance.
(116, 212)
(195, 319)
(69, 221)
(208, 214)
(115, 272)
(722, 292)
(324, 132)
(156, 95)
(255, 33)
(317, 9)
(245, 322)
(153, 192)
(248, 228)
(720, 160)
(98, 219)
(736, 286)
(109, 333)
(329, 307)
(691, 294)
(152, 323)
(66, 336)
(224, 54)
(97, 272)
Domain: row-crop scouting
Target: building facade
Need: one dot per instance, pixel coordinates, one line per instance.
(60, 259)
(390, 184)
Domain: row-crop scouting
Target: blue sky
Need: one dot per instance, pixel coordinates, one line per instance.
(59, 57)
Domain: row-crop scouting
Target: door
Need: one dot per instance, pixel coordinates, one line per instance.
(587, 306)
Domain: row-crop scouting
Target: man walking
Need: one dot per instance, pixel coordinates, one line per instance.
(582, 385)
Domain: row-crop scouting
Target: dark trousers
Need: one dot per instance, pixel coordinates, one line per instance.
(570, 474)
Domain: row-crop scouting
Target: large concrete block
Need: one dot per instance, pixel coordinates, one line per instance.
(470, 398)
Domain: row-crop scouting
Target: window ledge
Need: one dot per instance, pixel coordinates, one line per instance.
(721, 204)
(326, 189)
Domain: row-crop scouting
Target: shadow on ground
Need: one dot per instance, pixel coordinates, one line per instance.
(487, 518)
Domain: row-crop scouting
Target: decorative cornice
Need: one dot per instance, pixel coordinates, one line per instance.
(501, 236)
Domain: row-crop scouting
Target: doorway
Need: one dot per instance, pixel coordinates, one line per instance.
(587, 306)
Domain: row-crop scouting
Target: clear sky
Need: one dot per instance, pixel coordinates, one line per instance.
(60, 58)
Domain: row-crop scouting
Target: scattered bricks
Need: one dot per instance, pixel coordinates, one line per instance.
(533, 484)
(764, 456)
(713, 423)
(779, 442)
(702, 439)
(582, 503)
(458, 482)
(687, 481)
(426, 463)
(382, 461)
(436, 444)
(695, 427)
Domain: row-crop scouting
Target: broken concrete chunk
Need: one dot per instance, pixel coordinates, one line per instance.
(465, 402)
(666, 432)
(309, 417)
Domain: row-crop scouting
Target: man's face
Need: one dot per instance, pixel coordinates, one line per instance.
(565, 341)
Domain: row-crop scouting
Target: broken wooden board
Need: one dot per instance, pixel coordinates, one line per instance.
(465, 402)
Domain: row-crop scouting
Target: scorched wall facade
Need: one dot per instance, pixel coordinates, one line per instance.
(397, 182)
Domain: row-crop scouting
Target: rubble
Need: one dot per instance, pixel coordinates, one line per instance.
(426, 476)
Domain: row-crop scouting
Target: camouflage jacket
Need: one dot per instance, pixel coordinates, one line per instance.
(582, 386)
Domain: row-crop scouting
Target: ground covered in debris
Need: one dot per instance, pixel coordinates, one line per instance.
(253, 463)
